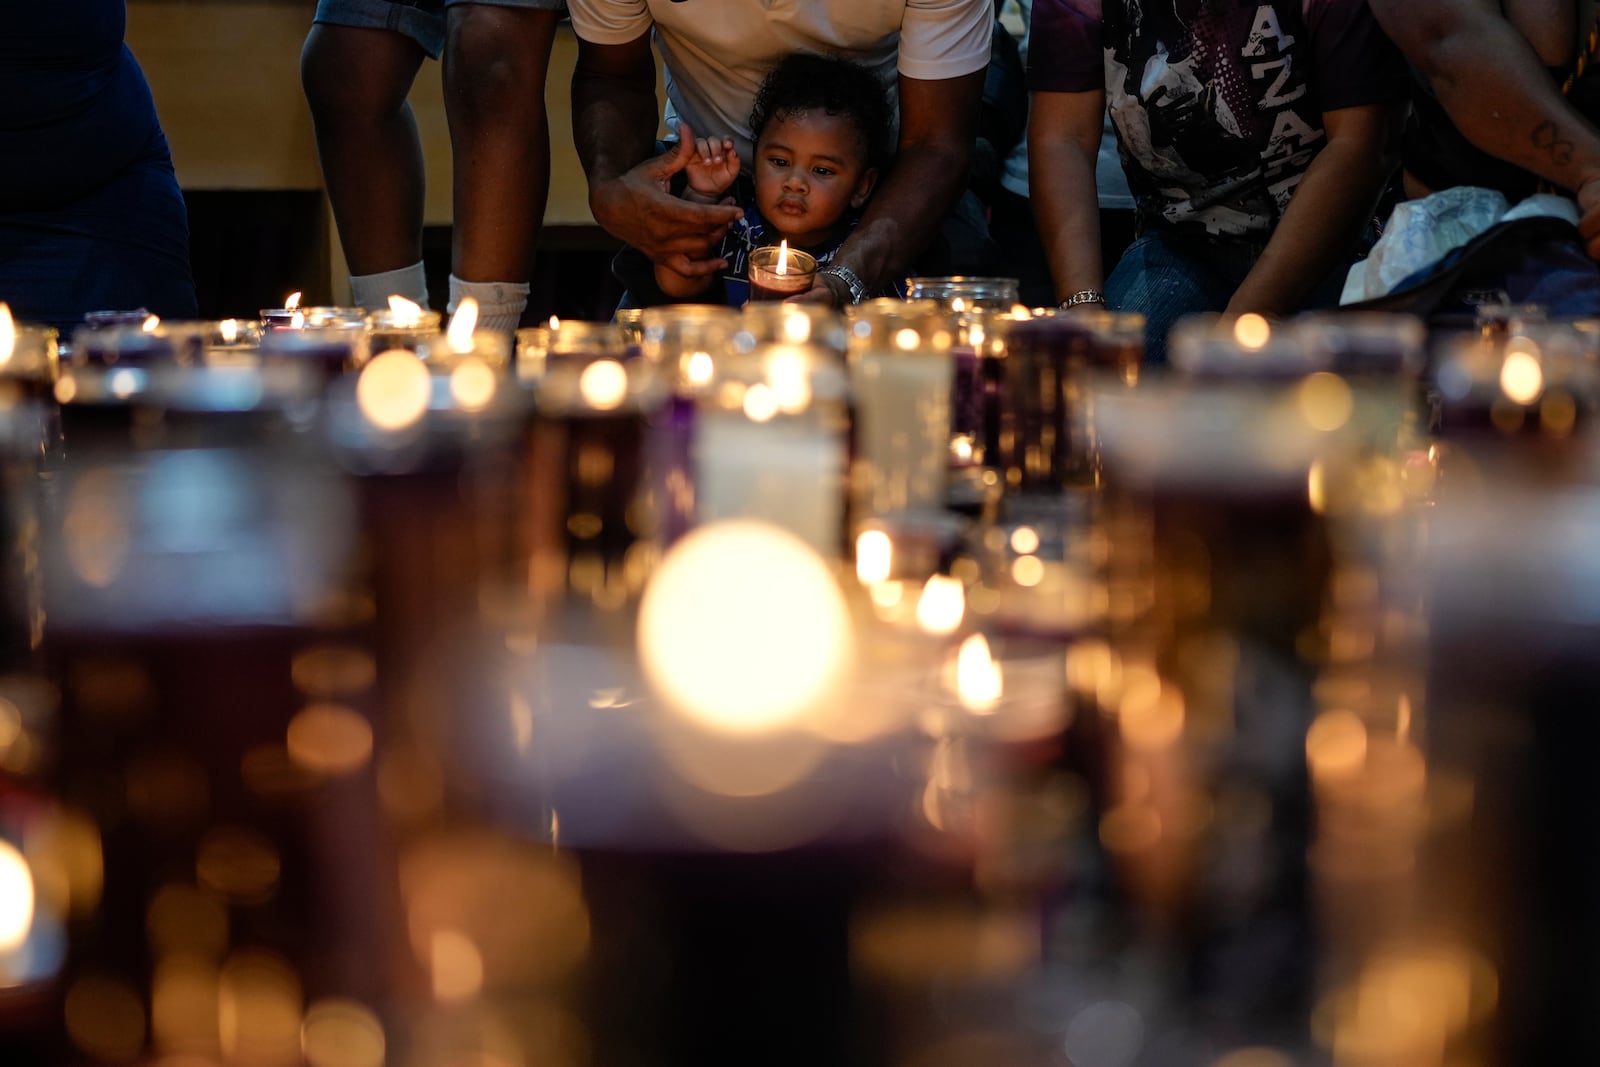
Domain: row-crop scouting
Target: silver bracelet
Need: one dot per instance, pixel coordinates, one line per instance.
(852, 281)
(1083, 296)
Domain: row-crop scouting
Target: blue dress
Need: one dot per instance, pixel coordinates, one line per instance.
(91, 217)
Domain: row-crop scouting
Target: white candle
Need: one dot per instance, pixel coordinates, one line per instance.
(900, 371)
(778, 451)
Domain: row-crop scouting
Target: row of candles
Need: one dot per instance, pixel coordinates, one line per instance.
(730, 574)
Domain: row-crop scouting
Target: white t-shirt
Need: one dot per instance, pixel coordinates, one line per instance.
(716, 52)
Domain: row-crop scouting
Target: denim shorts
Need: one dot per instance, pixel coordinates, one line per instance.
(420, 20)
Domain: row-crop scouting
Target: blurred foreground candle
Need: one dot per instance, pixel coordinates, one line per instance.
(969, 302)
(770, 443)
(900, 371)
(687, 341)
(567, 341)
(786, 323)
(777, 273)
(329, 350)
(1053, 362)
(29, 357)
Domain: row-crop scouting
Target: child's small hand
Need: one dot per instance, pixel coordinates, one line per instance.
(713, 166)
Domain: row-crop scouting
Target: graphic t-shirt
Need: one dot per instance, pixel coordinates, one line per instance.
(1217, 104)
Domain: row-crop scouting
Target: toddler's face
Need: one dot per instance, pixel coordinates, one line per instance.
(809, 172)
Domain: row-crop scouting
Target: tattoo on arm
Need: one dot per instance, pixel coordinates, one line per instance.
(1547, 138)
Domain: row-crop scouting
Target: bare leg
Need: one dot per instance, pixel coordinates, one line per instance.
(495, 64)
(356, 81)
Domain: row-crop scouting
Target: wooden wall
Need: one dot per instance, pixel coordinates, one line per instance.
(226, 79)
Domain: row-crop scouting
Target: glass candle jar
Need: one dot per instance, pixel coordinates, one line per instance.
(771, 443)
(900, 373)
(777, 273)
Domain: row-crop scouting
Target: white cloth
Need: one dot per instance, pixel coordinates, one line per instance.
(1422, 232)
(716, 52)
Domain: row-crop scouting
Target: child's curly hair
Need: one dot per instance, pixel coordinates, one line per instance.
(803, 82)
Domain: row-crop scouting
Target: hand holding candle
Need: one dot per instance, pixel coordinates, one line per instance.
(781, 272)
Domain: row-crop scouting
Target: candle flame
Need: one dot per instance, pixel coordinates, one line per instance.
(8, 334)
(978, 682)
(472, 384)
(1521, 377)
(942, 605)
(1252, 331)
(393, 390)
(407, 313)
(297, 321)
(291, 301)
(555, 323)
(604, 384)
(151, 323)
(17, 895)
(783, 257)
(229, 329)
(462, 323)
(874, 556)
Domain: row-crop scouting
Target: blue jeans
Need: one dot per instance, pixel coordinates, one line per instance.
(1167, 276)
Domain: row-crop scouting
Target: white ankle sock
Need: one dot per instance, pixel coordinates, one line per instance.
(500, 304)
(372, 291)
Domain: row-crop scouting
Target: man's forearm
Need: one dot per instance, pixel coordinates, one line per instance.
(1494, 87)
(906, 211)
(1318, 229)
(613, 123)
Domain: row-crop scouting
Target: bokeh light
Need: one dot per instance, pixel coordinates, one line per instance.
(16, 898)
(743, 628)
(393, 389)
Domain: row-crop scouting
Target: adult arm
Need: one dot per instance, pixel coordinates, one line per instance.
(1064, 131)
(614, 119)
(1497, 91)
(938, 121)
(1328, 210)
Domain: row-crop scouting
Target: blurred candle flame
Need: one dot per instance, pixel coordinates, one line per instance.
(1252, 331)
(407, 313)
(1521, 378)
(8, 334)
(783, 258)
(942, 605)
(978, 682)
(16, 898)
(874, 556)
(151, 323)
(393, 389)
(760, 405)
(229, 329)
(786, 375)
(462, 323)
(699, 368)
(743, 628)
(604, 384)
(472, 384)
(907, 339)
(291, 301)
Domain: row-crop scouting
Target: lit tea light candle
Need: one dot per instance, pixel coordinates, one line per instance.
(463, 343)
(778, 273)
(404, 324)
(288, 317)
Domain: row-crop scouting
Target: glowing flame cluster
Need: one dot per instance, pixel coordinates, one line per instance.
(8, 334)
